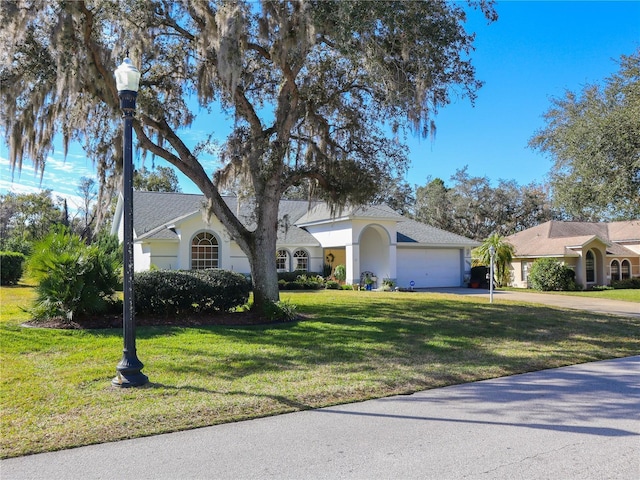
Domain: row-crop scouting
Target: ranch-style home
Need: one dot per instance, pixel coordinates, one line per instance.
(170, 232)
(598, 252)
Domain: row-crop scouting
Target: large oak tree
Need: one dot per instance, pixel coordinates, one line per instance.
(318, 91)
(593, 138)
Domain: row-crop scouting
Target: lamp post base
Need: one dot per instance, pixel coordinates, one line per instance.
(126, 381)
(129, 374)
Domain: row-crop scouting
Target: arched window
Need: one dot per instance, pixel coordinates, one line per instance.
(282, 260)
(204, 251)
(626, 270)
(615, 270)
(301, 260)
(590, 265)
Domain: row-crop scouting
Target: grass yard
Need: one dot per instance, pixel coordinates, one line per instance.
(625, 295)
(56, 392)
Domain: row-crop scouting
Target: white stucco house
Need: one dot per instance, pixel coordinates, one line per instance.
(170, 233)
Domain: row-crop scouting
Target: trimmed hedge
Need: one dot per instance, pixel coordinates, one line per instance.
(332, 285)
(633, 283)
(174, 292)
(293, 276)
(301, 281)
(11, 267)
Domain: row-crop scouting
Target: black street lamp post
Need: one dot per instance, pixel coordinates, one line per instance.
(129, 369)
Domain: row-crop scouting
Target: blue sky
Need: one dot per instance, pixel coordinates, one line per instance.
(535, 51)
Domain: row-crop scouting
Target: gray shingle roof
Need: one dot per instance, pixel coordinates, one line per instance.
(156, 211)
(320, 212)
(410, 231)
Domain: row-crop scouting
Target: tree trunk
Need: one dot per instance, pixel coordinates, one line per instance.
(264, 275)
(262, 253)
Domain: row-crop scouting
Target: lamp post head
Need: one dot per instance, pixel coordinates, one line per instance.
(127, 76)
(492, 250)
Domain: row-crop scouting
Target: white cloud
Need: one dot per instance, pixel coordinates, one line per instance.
(61, 177)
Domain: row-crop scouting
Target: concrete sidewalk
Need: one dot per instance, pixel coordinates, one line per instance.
(578, 422)
(591, 304)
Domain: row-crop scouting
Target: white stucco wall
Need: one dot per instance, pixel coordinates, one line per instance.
(162, 254)
(333, 234)
(141, 257)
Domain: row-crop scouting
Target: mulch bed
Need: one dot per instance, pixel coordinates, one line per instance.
(115, 321)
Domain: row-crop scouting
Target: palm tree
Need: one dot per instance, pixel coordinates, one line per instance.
(501, 260)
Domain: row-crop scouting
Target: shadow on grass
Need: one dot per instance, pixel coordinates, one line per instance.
(289, 402)
(396, 331)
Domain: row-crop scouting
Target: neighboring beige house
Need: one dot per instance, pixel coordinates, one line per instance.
(597, 252)
(170, 233)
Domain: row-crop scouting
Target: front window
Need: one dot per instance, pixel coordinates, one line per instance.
(301, 260)
(626, 270)
(282, 260)
(524, 266)
(615, 270)
(591, 267)
(204, 251)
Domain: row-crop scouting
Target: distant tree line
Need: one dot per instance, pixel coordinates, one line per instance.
(26, 218)
(472, 207)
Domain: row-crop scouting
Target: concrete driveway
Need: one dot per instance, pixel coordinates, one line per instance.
(577, 422)
(600, 305)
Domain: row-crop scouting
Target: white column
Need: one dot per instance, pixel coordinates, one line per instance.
(353, 263)
(393, 269)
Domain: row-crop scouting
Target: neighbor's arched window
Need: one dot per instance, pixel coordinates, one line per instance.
(204, 251)
(590, 266)
(626, 270)
(282, 260)
(301, 260)
(615, 270)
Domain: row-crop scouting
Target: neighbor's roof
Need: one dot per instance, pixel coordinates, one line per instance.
(157, 212)
(628, 231)
(555, 238)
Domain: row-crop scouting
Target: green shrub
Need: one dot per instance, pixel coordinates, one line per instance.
(174, 292)
(340, 273)
(548, 274)
(388, 284)
(627, 283)
(73, 279)
(224, 289)
(300, 281)
(332, 285)
(11, 267)
(282, 311)
(17, 244)
(166, 292)
(293, 276)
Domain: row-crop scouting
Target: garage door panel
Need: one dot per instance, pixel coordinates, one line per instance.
(428, 267)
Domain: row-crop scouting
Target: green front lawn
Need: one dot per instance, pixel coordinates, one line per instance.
(626, 295)
(56, 391)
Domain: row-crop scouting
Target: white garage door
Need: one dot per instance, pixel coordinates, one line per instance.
(429, 267)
